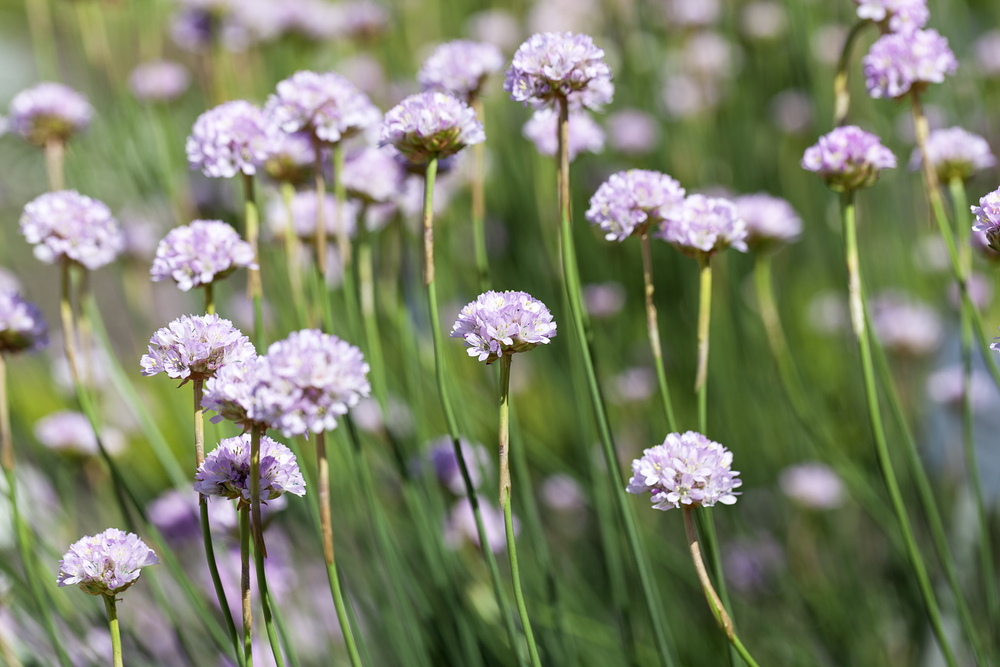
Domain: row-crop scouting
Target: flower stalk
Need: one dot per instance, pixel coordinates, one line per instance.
(55, 151)
(116, 636)
(320, 241)
(260, 551)
(344, 241)
(841, 91)
(653, 326)
(479, 201)
(244, 513)
(255, 289)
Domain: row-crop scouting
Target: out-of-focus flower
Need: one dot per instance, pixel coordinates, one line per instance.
(955, 153)
(142, 235)
(70, 432)
(603, 300)
(431, 124)
(704, 226)
(633, 132)
(792, 111)
(499, 323)
(49, 112)
(629, 202)
(585, 135)
(709, 56)
(364, 19)
(22, 326)
(200, 253)
(8, 281)
(105, 564)
(304, 215)
(327, 106)
(827, 42)
(692, 13)
(562, 493)
(897, 62)
(66, 224)
(193, 347)
(812, 485)
(987, 49)
(686, 96)
(827, 312)
(551, 65)
(770, 220)
(368, 416)
(687, 469)
(979, 287)
(848, 158)
(229, 139)
(902, 16)
(231, 392)
(175, 514)
(764, 20)
(988, 219)
(226, 471)
(460, 67)
(496, 26)
(290, 157)
(750, 565)
(372, 175)
(460, 525)
(366, 72)
(441, 455)
(159, 81)
(947, 387)
(559, 15)
(904, 325)
(632, 385)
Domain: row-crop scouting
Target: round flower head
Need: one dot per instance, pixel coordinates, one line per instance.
(159, 81)
(460, 67)
(327, 106)
(904, 16)
(770, 220)
(232, 138)
(304, 215)
(372, 175)
(105, 564)
(431, 124)
(704, 226)
(904, 325)
(553, 65)
(499, 323)
(987, 49)
(70, 432)
(687, 469)
(633, 132)
(988, 219)
(66, 224)
(226, 471)
(812, 485)
(49, 112)
(848, 158)
(630, 201)
(22, 326)
(955, 153)
(194, 347)
(585, 135)
(898, 62)
(291, 157)
(231, 391)
(200, 253)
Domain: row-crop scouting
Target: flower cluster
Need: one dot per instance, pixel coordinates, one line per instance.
(769, 220)
(49, 112)
(633, 132)
(70, 432)
(687, 469)
(585, 135)
(848, 158)
(630, 201)
(200, 253)
(226, 471)
(431, 124)
(22, 326)
(234, 137)
(704, 226)
(460, 67)
(159, 81)
(231, 391)
(442, 458)
(326, 105)
(553, 65)
(955, 153)
(66, 224)
(499, 323)
(898, 62)
(903, 16)
(303, 210)
(372, 175)
(291, 156)
(194, 347)
(905, 325)
(988, 218)
(105, 564)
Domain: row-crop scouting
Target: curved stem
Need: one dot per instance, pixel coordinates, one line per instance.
(654, 330)
(116, 636)
(260, 552)
(55, 151)
(841, 93)
(479, 202)
(255, 289)
(244, 512)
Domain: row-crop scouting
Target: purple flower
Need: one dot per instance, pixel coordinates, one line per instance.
(49, 112)
(291, 157)
(812, 485)
(988, 219)
(441, 454)
(231, 391)
(630, 201)
(460, 67)
(200, 253)
(304, 215)
(562, 493)
(584, 133)
(692, 13)
(372, 175)
(947, 386)
(904, 16)
(604, 300)
(770, 220)
(987, 49)
(22, 326)
(687, 469)
(460, 525)
(500, 323)
(159, 81)
(905, 325)
(234, 137)
(496, 26)
(66, 224)
(194, 347)
(899, 61)
(327, 106)
(105, 564)
(70, 432)
(364, 19)
(704, 225)
(431, 124)
(848, 158)
(226, 471)
(633, 132)
(552, 65)
(955, 153)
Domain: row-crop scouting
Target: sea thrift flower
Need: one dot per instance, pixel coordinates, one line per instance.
(22, 326)
(604, 300)
(848, 158)
(812, 485)
(234, 137)
(159, 81)
(687, 469)
(304, 215)
(764, 20)
(231, 391)
(327, 106)
(66, 224)
(372, 175)
(431, 124)
(633, 132)
(553, 65)
(176, 515)
(905, 326)
(226, 471)
(49, 112)
(988, 219)
(460, 526)
(291, 157)
(904, 16)
(630, 201)
(704, 225)
(105, 564)
(692, 13)
(500, 323)
(496, 26)
(562, 493)
(947, 387)
(200, 253)
(193, 347)
(897, 62)
(71, 432)
(585, 135)
(955, 153)
(445, 463)
(770, 220)
(460, 67)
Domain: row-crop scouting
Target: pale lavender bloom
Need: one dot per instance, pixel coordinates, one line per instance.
(562, 493)
(560, 15)
(585, 135)
(304, 215)
(812, 485)
(978, 286)
(763, 20)
(633, 132)
(9, 281)
(704, 225)
(105, 564)
(629, 202)
(792, 111)
(71, 432)
(431, 124)
(176, 515)
(955, 153)
(687, 469)
(897, 62)
(826, 43)
(848, 158)
(604, 300)
(692, 13)
(947, 387)
(553, 65)
(49, 112)
(365, 71)
(372, 175)
(142, 235)
(159, 81)
(231, 392)
(687, 96)
(496, 26)
(200, 253)
(194, 347)
(905, 325)
(460, 525)
(903, 16)
(196, 27)
(291, 157)
(364, 19)
(460, 67)
(326, 105)
(226, 471)
(770, 220)
(22, 326)
(632, 385)
(709, 56)
(499, 323)
(988, 219)
(441, 454)
(234, 137)
(987, 49)
(66, 224)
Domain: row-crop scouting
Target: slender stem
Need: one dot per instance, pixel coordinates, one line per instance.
(479, 201)
(255, 290)
(857, 309)
(260, 551)
(116, 636)
(704, 320)
(654, 329)
(245, 583)
(66, 314)
(320, 243)
(6, 441)
(344, 241)
(292, 253)
(198, 385)
(504, 430)
(841, 91)
(55, 151)
(85, 331)
(43, 40)
(209, 298)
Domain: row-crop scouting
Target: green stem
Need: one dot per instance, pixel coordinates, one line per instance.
(344, 242)
(209, 299)
(321, 293)
(66, 315)
(6, 440)
(479, 202)
(704, 321)
(654, 330)
(116, 636)
(841, 91)
(244, 512)
(55, 151)
(255, 288)
(260, 552)
(292, 254)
